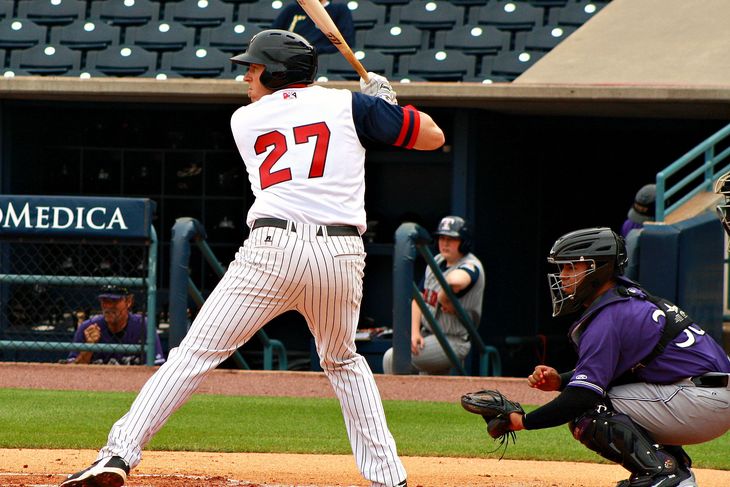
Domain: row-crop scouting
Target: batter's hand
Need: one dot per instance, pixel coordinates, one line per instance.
(92, 334)
(417, 343)
(379, 87)
(544, 378)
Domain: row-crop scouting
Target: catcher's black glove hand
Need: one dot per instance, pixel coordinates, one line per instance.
(495, 409)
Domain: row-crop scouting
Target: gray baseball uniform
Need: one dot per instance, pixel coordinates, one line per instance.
(432, 359)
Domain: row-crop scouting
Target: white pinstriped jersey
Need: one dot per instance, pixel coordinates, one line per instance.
(471, 300)
(306, 165)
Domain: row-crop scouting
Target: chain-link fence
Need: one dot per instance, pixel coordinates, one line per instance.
(49, 288)
(56, 256)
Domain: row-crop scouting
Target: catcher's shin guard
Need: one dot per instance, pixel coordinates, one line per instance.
(617, 438)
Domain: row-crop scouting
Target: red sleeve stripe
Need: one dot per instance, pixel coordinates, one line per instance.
(407, 122)
(416, 119)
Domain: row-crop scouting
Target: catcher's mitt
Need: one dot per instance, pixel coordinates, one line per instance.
(495, 409)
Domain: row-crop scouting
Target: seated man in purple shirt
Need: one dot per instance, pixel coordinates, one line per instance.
(648, 378)
(115, 325)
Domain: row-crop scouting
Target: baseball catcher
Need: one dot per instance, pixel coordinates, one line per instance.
(648, 378)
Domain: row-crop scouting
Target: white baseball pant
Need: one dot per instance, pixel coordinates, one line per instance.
(275, 271)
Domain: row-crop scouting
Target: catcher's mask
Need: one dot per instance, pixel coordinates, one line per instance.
(288, 58)
(603, 257)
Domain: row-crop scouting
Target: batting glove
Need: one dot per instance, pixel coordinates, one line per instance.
(379, 87)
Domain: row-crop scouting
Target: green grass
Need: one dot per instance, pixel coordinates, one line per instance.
(71, 419)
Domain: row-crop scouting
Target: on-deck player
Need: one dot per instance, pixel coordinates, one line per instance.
(648, 379)
(303, 147)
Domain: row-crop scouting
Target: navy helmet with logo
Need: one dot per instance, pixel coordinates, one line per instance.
(288, 58)
(456, 227)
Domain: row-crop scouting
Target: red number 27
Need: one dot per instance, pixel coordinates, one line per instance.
(302, 134)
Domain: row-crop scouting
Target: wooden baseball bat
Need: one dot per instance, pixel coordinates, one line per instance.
(322, 19)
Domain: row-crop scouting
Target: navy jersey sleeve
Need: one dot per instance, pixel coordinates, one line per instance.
(283, 20)
(377, 121)
(473, 272)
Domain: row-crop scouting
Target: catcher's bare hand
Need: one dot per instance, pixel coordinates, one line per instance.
(379, 87)
(544, 378)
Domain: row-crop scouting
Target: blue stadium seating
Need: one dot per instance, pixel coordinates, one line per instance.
(366, 14)
(579, 12)
(122, 61)
(429, 14)
(394, 39)
(125, 14)
(474, 39)
(45, 59)
(161, 36)
(45, 12)
(263, 12)
(438, 65)
(196, 13)
(374, 61)
(197, 62)
(509, 15)
(547, 37)
(86, 35)
(20, 34)
(6, 9)
(514, 63)
(231, 38)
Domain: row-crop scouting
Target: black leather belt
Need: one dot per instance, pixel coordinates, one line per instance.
(716, 380)
(332, 230)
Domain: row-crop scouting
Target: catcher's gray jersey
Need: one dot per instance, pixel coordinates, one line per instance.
(470, 299)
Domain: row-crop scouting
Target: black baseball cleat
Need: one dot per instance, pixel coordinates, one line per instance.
(684, 477)
(402, 484)
(107, 472)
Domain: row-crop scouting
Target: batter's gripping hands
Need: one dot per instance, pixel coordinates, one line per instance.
(495, 409)
(379, 87)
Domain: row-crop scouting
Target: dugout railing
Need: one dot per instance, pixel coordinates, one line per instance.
(409, 239)
(186, 232)
(56, 252)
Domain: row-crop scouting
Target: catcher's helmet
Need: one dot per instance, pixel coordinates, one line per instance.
(601, 248)
(456, 227)
(288, 58)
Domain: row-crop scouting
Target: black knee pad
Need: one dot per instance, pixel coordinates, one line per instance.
(617, 438)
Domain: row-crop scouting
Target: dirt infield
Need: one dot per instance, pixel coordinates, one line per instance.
(21, 467)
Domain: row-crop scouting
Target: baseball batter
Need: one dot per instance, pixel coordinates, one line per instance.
(303, 147)
(463, 271)
(648, 379)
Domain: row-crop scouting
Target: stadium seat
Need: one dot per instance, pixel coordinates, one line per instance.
(6, 9)
(263, 12)
(510, 15)
(197, 62)
(470, 3)
(46, 59)
(514, 63)
(429, 14)
(474, 39)
(373, 61)
(366, 14)
(20, 34)
(122, 61)
(86, 35)
(438, 65)
(548, 3)
(578, 13)
(200, 13)
(126, 13)
(161, 36)
(231, 38)
(394, 39)
(52, 12)
(391, 2)
(547, 37)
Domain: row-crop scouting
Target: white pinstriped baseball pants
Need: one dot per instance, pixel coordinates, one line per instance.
(276, 270)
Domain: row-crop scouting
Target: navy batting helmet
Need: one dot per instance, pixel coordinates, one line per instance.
(456, 227)
(288, 58)
(601, 249)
